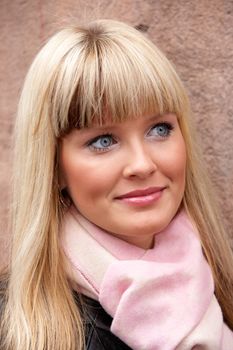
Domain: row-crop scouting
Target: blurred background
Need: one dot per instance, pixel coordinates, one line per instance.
(197, 36)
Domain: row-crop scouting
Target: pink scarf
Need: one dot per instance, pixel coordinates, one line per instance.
(159, 299)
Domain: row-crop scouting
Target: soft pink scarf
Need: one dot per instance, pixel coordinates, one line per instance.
(159, 299)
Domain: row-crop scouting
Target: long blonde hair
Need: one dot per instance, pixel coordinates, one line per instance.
(81, 73)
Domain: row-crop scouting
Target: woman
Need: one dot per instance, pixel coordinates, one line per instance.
(111, 205)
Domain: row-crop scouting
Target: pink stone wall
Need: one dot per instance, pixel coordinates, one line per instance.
(196, 35)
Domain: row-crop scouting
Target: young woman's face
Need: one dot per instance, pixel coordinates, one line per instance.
(127, 178)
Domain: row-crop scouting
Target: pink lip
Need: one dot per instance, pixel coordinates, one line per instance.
(142, 197)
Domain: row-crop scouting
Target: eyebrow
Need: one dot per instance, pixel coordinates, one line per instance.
(99, 128)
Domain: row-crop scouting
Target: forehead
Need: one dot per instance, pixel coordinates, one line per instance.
(107, 119)
(125, 125)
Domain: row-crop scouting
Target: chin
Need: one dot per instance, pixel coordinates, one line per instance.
(144, 230)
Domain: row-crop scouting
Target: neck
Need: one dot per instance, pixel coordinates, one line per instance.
(144, 242)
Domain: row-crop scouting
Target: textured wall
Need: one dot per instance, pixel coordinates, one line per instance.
(195, 35)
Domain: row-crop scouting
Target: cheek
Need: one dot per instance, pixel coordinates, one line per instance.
(181, 165)
(83, 178)
(176, 162)
(71, 172)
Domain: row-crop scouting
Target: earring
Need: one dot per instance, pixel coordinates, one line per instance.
(64, 198)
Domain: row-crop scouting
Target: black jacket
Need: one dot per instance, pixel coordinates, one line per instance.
(97, 328)
(96, 322)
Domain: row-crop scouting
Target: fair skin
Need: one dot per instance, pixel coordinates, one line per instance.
(127, 178)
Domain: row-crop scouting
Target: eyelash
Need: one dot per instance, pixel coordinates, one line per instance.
(169, 128)
(90, 143)
(104, 149)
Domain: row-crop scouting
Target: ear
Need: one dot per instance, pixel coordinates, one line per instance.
(61, 179)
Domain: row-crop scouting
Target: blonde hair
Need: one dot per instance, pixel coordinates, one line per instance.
(81, 73)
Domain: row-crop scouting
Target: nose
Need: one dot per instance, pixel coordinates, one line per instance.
(140, 163)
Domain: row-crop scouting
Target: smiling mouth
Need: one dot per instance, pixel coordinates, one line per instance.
(142, 197)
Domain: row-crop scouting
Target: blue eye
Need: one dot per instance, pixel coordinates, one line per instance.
(161, 130)
(102, 143)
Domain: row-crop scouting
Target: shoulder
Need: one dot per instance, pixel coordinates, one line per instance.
(97, 325)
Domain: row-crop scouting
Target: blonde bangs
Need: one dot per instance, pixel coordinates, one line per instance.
(117, 76)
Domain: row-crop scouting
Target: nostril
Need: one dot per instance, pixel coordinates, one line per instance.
(140, 169)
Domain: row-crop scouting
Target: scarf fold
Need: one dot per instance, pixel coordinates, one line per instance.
(161, 298)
